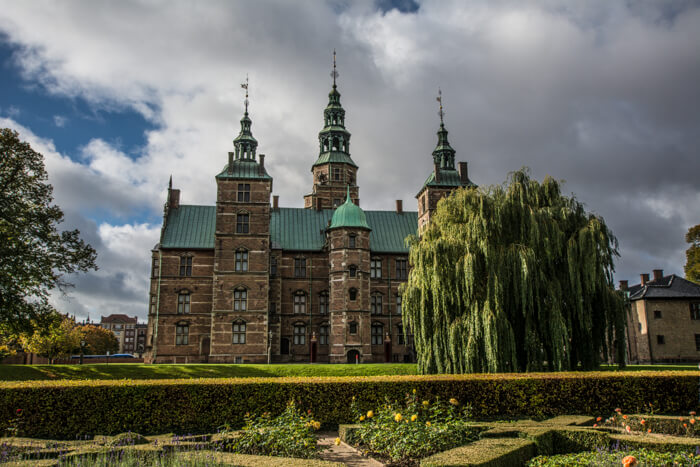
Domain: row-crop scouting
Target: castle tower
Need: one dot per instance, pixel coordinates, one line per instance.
(349, 258)
(444, 177)
(239, 325)
(334, 170)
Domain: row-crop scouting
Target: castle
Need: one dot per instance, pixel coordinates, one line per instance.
(248, 281)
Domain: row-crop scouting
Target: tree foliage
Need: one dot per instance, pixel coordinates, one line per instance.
(98, 340)
(692, 254)
(513, 278)
(35, 255)
(58, 340)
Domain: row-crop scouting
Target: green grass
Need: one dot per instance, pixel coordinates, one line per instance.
(140, 371)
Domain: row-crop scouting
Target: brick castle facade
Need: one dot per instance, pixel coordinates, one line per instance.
(248, 281)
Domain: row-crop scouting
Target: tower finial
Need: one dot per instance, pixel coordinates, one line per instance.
(441, 112)
(334, 73)
(170, 183)
(245, 86)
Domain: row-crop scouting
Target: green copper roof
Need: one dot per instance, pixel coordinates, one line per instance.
(244, 168)
(349, 214)
(449, 178)
(190, 227)
(294, 229)
(334, 157)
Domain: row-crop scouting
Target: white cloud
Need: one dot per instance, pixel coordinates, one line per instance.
(60, 121)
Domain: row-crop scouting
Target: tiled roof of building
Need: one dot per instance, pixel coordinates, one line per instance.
(193, 227)
(448, 178)
(248, 169)
(334, 157)
(671, 286)
(118, 318)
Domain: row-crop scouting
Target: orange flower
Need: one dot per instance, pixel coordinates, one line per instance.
(649, 430)
(628, 428)
(625, 417)
(598, 419)
(642, 421)
(685, 425)
(692, 421)
(618, 410)
(692, 412)
(680, 419)
(629, 461)
(595, 425)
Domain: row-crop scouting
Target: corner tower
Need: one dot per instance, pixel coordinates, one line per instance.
(444, 178)
(334, 171)
(239, 325)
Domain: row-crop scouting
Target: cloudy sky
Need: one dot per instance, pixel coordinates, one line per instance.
(120, 95)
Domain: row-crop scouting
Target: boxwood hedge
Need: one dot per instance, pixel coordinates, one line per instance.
(67, 409)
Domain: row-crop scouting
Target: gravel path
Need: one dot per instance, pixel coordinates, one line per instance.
(344, 453)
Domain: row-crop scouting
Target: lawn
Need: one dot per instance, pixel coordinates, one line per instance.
(163, 371)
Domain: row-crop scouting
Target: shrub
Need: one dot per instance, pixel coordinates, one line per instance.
(288, 435)
(127, 439)
(66, 409)
(615, 457)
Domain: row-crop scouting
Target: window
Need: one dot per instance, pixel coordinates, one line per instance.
(242, 223)
(337, 173)
(182, 334)
(153, 303)
(697, 341)
(353, 294)
(155, 267)
(351, 241)
(660, 339)
(243, 192)
(377, 334)
(657, 314)
(323, 303)
(185, 265)
(273, 266)
(299, 334)
(299, 267)
(183, 303)
(376, 304)
(401, 269)
(352, 327)
(695, 311)
(323, 335)
(300, 302)
(353, 270)
(241, 260)
(375, 271)
(240, 299)
(239, 332)
(400, 338)
(273, 308)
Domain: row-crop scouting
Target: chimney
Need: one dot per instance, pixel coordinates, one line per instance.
(230, 162)
(644, 278)
(173, 198)
(275, 202)
(658, 274)
(463, 173)
(436, 168)
(623, 285)
(399, 206)
(261, 167)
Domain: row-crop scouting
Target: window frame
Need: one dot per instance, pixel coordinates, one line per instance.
(241, 260)
(400, 337)
(401, 272)
(184, 302)
(242, 222)
(352, 241)
(352, 294)
(352, 270)
(299, 302)
(273, 266)
(238, 332)
(694, 311)
(243, 193)
(352, 327)
(323, 303)
(240, 299)
(323, 333)
(377, 338)
(657, 314)
(186, 266)
(300, 267)
(182, 334)
(399, 303)
(376, 305)
(660, 339)
(375, 268)
(299, 334)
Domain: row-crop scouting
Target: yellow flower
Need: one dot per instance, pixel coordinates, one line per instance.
(414, 417)
(370, 414)
(317, 425)
(414, 391)
(397, 417)
(362, 417)
(453, 401)
(427, 423)
(337, 441)
(426, 403)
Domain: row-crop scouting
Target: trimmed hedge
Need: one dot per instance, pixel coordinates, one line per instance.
(489, 452)
(66, 409)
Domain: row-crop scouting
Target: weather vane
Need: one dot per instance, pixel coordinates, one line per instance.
(245, 86)
(334, 73)
(441, 113)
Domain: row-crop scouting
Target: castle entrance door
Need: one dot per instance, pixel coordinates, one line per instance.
(353, 356)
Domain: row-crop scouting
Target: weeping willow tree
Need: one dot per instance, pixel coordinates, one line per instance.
(513, 278)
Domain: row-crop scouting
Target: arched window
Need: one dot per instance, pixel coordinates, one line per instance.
(183, 303)
(377, 333)
(323, 303)
(376, 303)
(239, 332)
(241, 260)
(323, 334)
(353, 294)
(352, 269)
(240, 299)
(299, 302)
(182, 333)
(242, 222)
(300, 334)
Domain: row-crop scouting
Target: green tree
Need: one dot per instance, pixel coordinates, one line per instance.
(35, 255)
(58, 340)
(692, 254)
(513, 278)
(98, 340)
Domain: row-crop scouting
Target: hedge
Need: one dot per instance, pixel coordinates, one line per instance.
(67, 409)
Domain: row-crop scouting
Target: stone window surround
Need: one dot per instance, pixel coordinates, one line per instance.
(184, 301)
(186, 262)
(238, 328)
(182, 333)
(241, 260)
(240, 298)
(377, 333)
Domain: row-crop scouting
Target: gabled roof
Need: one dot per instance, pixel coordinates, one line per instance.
(671, 286)
(296, 229)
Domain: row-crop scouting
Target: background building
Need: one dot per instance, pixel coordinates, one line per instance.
(130, 334)
(664, 319)
(249, 281)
